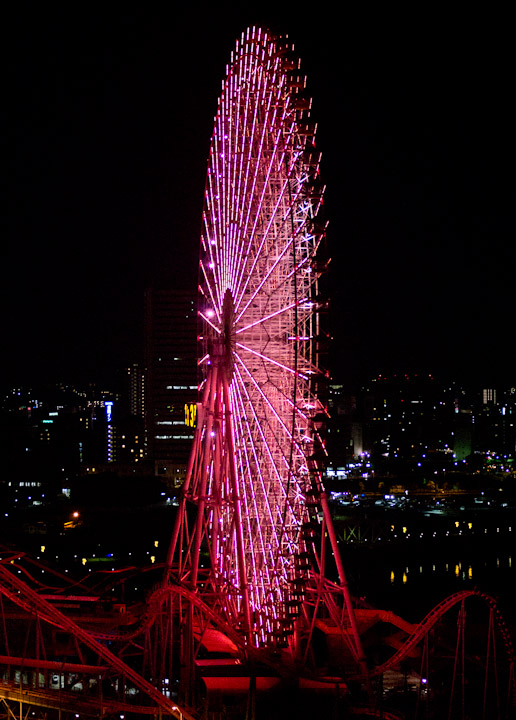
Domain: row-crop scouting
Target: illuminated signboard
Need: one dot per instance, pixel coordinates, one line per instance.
(190, 415)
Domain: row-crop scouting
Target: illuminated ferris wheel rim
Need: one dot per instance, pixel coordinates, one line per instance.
(258, 300)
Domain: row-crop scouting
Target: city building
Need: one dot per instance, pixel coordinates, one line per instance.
(135, 389)
(170, 380)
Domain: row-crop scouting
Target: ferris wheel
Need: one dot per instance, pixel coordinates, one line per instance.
(255, 451)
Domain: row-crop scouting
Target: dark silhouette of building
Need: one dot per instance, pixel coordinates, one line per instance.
(170, 379)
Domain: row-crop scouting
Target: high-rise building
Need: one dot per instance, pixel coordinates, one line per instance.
(170, 379)
(136, 390)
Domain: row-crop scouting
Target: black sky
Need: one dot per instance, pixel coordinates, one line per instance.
(109, 118)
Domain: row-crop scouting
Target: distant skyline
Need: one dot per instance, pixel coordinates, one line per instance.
(109, 124)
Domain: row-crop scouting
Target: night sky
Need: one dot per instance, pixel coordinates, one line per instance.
(109, 118)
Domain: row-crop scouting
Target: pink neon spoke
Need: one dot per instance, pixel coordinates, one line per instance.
(215, 302)
(268, 451)
(250, 146)
(246, 514)
(267, 317)
(207, 320)
(264, 489)
(266, 444)
(246, 193)
(235, 183)
(214, 229)
(265, 184)
(265, 187)
(238, 413)
(271, 269)
(262, 394)
(266, 232)
(270, 360)
(253, 448)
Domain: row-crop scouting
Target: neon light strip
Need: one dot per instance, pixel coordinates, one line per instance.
(275, 414)
(264, 440)
(245, 443)
(268, 317)
(214, 301)
(225, 206)
(217, 330)
(236, 242)
(258, 216)
(246, 153)
(213, 233)
(240, 563)
(265, 490)
(270, 360)
(239, 412)
(218, 170)
(252, 167)
(259, 155)
(271, 269)
(222, 159)
(265, 235)
(226, 140)
(240, 197)
(285, 460)
(253, 76)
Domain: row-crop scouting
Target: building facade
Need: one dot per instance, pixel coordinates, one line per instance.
(170, 380)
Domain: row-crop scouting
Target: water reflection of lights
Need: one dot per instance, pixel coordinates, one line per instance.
(461, 571)
(453, 528)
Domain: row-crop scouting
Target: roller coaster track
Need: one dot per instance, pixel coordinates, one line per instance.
(18, 592)
(23, 596)
(72, 702)
(430, 621)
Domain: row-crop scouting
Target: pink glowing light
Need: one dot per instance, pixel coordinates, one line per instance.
(258, 247)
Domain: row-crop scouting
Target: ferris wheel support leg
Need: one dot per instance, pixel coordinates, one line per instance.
(360, 655)
(181, 512)
(238, 513)
(198, 532)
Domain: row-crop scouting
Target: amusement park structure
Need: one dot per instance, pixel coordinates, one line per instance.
(252, 609)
